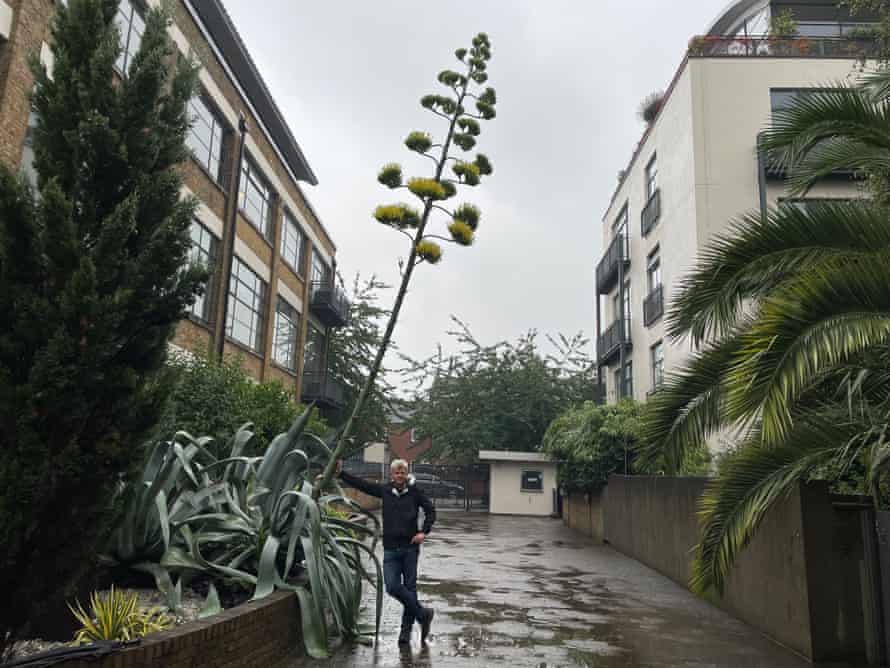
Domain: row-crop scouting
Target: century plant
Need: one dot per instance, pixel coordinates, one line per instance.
(250, 520)
(116, 615)
(433, 192)
(790, 314)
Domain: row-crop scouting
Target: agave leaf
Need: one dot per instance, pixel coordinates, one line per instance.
(267, 573)
(163, 519)
(315, 632)
(376, 562)
(211, 604)
(164, 583)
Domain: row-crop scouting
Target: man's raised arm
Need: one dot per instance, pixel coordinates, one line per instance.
(370, 488)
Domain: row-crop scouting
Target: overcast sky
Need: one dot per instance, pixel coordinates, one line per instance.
(569, 77)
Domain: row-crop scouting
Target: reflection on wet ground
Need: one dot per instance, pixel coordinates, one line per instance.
(517, 591)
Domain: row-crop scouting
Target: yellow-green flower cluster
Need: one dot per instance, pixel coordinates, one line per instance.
(429, 251)
(426, 188)
(468, 172)
(419, 141)
(461, 232)
(484, 164)
(469, 214)
(390, 175)
(399, 215)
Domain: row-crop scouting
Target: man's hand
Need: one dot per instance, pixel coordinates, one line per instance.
(419, 537)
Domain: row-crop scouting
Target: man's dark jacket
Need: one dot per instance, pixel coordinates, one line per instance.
(399, 509)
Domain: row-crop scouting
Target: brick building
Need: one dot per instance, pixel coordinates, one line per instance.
(272, 298)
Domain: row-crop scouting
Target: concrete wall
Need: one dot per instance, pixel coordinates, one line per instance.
(584, 513)
(798, 581)
(506, 496)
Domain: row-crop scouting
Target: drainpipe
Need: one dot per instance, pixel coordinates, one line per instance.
(622, 315)
(229, 254)
(761, 178)
(597, 333)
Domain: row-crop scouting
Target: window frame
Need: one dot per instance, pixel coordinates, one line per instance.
(252, 175)
(657, 364)
(298, 263)
(137, 8)
(318, 369)
(651, 176)
(524, 489)
(284, 311)
(219, 130)
(212, 255)
(653, 268)
(257, 310)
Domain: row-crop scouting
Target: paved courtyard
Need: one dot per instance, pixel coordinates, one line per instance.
(515, 591)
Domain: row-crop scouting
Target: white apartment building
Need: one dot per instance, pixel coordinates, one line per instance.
(697, 167)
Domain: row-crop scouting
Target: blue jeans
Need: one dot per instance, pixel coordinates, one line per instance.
(400, 574)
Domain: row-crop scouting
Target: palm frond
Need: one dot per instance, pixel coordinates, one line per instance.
(756, 254)
(686, 409)
(808, 326)
(750, 483)
(836, 155)
(840, 112)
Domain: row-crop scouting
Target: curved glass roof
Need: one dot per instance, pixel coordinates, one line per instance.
(742, 16)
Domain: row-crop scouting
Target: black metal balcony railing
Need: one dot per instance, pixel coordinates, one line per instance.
(764, 46)
(609, 342)
(329, 304)
(651, 212)
(607, 269)
(323, 390)
(653, 306)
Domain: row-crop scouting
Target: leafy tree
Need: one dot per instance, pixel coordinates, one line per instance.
(791, 314)
(91, 285)
(215, 398)
(498, 397)
(591, 442)
(463, 129)
(351, 352)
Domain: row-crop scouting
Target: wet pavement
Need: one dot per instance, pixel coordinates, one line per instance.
(516, 591)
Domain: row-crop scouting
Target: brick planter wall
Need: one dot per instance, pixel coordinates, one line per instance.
(252, 635)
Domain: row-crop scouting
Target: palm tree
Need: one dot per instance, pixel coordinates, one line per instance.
(790, 315)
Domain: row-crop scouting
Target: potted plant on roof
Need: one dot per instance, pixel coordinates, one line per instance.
(782, 29)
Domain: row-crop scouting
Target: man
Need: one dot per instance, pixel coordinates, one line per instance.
(401, 540)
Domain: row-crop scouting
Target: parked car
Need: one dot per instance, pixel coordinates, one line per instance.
(435, 486)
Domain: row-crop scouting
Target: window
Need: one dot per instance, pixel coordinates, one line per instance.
(627, 306)
(255, 196)
(131, 24)
(287, 331)
(532, 481)
(321, 273)
(206, 137)
(314, 356)
(27, 165)
(293, 243)
(656, 354)
(628, 389)
(620, 224)
(653, 271)
(651, 178)
(247, 299)
(781, 98)
(203, 252)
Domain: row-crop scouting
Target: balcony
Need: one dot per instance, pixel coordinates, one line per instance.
(653, 306)
(329, 304)
(610, 342)
(763, 46)
(607, 271)
(651, 212)
(325, 391)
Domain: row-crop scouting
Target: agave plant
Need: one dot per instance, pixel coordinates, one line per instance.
(116, 615)
(253, 521)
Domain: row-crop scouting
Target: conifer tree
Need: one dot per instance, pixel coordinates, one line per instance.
(449, 173)
(93, 278)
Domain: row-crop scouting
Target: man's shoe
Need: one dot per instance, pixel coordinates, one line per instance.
(405, 637)
(425, 624)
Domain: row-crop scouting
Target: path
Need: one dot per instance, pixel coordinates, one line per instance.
(515, 591)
